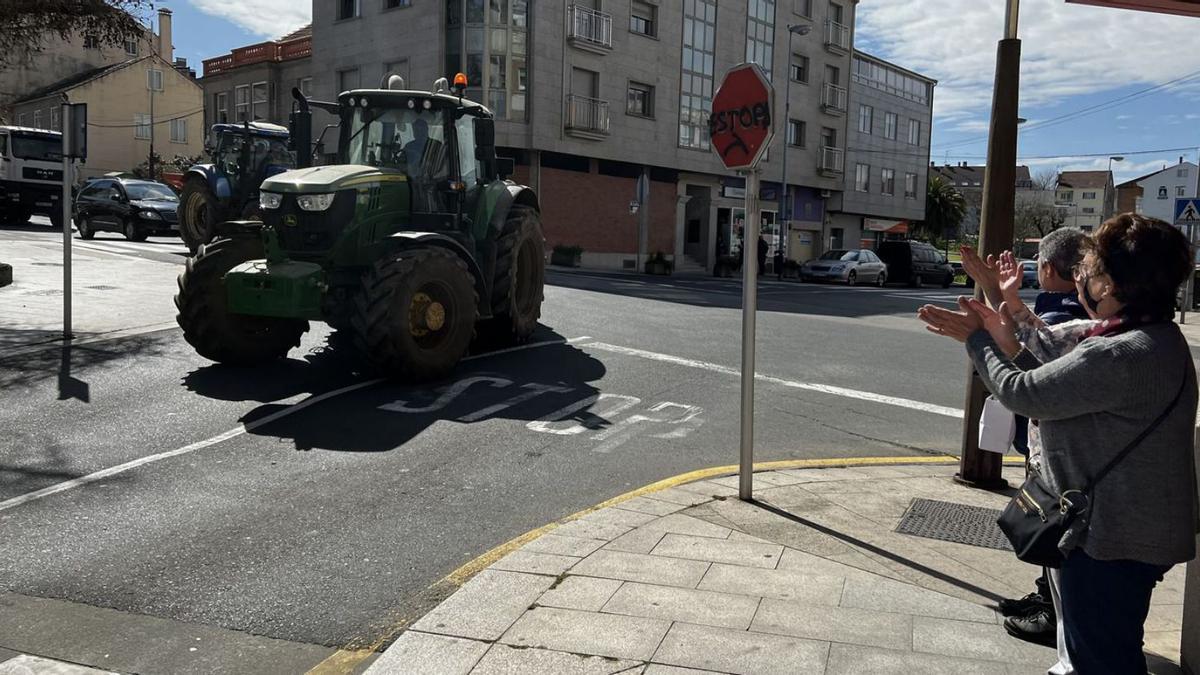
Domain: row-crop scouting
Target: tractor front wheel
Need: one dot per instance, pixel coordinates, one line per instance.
(517, 288)
(415, 316)
(204, 315)
(198, 214)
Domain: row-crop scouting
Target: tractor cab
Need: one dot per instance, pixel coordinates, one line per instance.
(247, 154)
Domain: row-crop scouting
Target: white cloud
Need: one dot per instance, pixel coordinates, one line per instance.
(1124, 117)
(267, 18)
(1067, 49)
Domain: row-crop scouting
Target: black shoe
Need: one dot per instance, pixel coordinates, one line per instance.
(1022, 606)
(1038, 627)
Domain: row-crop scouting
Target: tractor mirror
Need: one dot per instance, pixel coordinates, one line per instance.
(485, 135)
(505, 167)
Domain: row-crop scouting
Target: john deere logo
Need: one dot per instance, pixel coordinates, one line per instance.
(290, 220)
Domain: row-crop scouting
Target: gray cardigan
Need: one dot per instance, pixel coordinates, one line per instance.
(1090, 404)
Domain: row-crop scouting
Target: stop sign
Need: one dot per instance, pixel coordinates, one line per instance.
(741, 126)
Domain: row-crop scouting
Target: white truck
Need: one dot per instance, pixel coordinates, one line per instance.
(31, 174)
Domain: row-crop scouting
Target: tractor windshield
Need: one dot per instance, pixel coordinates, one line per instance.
(409, 140)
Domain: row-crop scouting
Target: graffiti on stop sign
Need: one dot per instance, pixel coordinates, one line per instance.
(609, 419)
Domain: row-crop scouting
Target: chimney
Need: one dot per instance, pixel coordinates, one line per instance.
(166, 49)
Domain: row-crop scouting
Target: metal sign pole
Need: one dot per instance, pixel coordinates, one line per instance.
(749, 311)
(66, 221)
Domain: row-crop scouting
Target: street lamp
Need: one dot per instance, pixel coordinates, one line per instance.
(1108, 199)
(784, 216)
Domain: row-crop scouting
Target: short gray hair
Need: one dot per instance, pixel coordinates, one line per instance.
(1063, 249)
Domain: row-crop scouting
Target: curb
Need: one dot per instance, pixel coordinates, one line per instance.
(6, 274)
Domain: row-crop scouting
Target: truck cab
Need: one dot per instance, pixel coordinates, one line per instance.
(31, 175)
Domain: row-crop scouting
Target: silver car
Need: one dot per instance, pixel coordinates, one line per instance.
(850, 266)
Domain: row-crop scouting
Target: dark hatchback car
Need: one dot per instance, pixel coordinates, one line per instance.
(135, 208)
(916, 262)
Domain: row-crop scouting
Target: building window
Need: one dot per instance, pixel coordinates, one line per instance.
(1089, 195)
(799, 68)
(304, 84)
(221, 107)
(347, 9)
(91, 42)
(866, 116)
(394, 4)
(914, 132)
(37, 119)
(241, 103)
(1162, 192)
(1088, 209)
(829, 137)
(347, 80)
(261, 99)
(696, 89)
(760, 34)
(131, 47)
(643, 19)
(910, 186)
(796, 133)
(640, 100)
(1180, 191)
(837, 238)
(1181, 173)
(179, 131)
(890, 80)
(862, 177)
(141, 127)
(55, 118)
(1066, 195)
(890, 122)
(154, 79)
(802, 7)
(888, 182)
(23, 119)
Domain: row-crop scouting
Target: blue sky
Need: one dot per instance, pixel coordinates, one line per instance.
(1073, 57)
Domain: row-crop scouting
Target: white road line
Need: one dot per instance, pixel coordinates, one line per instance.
(232, 433)
(792, 384)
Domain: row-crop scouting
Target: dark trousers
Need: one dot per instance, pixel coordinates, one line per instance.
(1104, 607)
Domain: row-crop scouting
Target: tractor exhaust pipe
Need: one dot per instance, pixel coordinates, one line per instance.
(300, 130)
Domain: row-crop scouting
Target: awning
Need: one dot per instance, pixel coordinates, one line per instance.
(885, 226)
(1182, 7)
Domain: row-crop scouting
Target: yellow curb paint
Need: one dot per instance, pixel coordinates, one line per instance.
(345, 661)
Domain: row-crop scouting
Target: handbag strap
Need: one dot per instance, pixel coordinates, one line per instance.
(1140, 437)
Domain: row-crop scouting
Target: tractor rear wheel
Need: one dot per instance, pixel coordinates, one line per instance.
(517, 288)
(415, 316)
(199, 213)
(207, 323)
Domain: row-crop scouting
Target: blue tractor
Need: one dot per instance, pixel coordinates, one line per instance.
(243, 156)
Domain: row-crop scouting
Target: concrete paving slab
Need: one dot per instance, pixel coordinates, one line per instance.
(591, 530)
(676, 495)
(563, 545)
(1165, 618)
(807, 563)
(847, 659)
(682, 604)
(640, 540)
(735, 651)
(643, 568)
(834, 624)
(830, 474)
(969, 639)
(659, 669)
(586, 594)
(778, 584)
(506, 660)
(26, 664)
(612, 635)
(745, 553)
(535, 563)
(619, 517)
(654, 507)
(681, 523)
(429, 654)
(885, 595)
(710, 488)
(485, 606)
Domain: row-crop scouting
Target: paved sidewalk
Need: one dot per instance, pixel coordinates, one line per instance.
(112, 293)
(12, 663)
(811, 579)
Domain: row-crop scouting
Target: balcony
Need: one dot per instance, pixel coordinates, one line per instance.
(833, 99)
(587, 117)
(832, 161)
(837, 36)
(265, 52)
(589, 29)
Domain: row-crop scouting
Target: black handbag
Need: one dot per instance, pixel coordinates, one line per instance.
(1037, 517)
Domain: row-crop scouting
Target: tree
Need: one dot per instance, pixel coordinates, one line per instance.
(177, 164)
(25, 24)
(944, 210)
(1046, 179)
(1036, 219)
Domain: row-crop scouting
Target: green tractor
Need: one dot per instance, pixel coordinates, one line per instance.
(413, 243)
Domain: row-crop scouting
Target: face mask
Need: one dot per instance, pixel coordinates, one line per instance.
(1092, 302)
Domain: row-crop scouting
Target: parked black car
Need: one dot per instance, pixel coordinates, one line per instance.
(916, 262)
(135, 208)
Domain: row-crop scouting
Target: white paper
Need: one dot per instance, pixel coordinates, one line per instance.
(997, 427)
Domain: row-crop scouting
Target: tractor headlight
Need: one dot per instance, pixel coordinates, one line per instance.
(315, 202)
(270, 200)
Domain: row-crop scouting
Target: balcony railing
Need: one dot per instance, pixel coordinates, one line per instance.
(837, 36)
(590, 28)
(833, 98)
(832, 160)
(587, 116)
(265, 52)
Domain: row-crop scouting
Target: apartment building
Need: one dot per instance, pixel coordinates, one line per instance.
(1155, 193)
(254, 83)
(887, 154)
(1087, 198)
(592, 94)
(968, 180)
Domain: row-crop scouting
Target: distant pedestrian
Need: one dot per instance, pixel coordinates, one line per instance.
(762, 254)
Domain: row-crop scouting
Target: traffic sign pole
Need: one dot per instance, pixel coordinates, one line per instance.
(749, 316)
(1187, 219)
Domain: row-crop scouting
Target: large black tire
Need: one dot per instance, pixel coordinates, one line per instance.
(132, 232)
(519, 281)
(415, 316)
(209, 326)
(84, 225)
(199, 213)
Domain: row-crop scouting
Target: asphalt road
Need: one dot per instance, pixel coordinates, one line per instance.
(327, 524)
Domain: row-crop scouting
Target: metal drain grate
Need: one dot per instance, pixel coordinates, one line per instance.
(959, 523)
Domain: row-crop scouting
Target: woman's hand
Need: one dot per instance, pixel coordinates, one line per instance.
(1011, 276)
(1000, 325)
(956, 325)
(984, 272)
